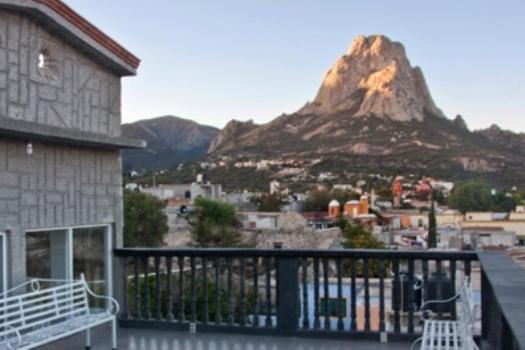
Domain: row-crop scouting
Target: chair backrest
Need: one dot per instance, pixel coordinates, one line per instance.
(467, 315)
(40, 308)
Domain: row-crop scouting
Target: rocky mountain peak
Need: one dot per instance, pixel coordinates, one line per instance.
(230, 131)
(374, 78)
(460, 122)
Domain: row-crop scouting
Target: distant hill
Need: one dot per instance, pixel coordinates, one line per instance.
(171, 140)
(374, 113)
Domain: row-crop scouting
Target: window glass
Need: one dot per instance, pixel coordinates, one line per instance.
(89, 258)
(38, 255)
(46, 255)
(3, 263)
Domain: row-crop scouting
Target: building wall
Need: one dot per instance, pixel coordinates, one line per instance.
(418, 220)
(260, 221)
(478, 216)
(517, 216)
(304, 238)
(451, 220)
(57, 185)
(490, 239)
(72, 92)
(516, 226)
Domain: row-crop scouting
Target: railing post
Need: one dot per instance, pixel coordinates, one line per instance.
(120, 284)
(485, 306)
(287, 294)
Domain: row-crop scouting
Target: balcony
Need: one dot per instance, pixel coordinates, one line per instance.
(306, 299)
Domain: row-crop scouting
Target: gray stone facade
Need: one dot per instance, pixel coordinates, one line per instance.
(58, 185)
(74, 92)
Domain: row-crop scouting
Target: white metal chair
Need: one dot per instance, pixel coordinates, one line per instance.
(450, 334)
(43, 315)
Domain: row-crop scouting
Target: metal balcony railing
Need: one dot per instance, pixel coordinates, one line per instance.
(372, 294)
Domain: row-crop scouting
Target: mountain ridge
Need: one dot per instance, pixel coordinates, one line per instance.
(170, 141)
(375, 112)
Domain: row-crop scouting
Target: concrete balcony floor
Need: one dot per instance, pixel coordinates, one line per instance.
(147, 339)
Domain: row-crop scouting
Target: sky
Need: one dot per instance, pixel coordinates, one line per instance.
(213, 61)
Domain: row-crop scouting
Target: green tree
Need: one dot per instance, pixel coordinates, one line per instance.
(503, 203)
(439, 197)
(357, 237)
(145, 223)
(476, 196)
(384, 193)
(432, 229)
(318, 200)
(471, 196)
(214, 224)
(268, 202)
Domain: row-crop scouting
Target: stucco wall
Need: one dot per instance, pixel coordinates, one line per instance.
(72, 92)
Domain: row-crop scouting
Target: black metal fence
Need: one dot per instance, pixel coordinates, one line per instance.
(352, 293)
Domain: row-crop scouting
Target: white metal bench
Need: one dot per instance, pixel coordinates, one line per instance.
(451, 334)
(41, 316)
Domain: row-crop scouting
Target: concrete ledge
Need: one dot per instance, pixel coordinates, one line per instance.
(34, 131)
(507, 280)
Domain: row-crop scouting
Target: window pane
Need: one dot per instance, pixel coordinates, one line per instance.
(46, 255)
(2, 265)
(89, 257)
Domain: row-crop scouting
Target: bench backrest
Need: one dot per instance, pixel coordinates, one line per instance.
(467, 313)
(40, 308)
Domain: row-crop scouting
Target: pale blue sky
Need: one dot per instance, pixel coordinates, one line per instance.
(212, 61)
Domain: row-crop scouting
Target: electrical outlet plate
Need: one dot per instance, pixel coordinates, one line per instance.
(193, 327)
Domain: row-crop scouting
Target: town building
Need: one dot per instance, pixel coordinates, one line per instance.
(355, 208)
(205, 189)
(241, 201)
(509, 222)
(397, 190)
(319, 220)
(164, 192)
(275, 187)
(60, 140)
(449, 218)
(334, 208)
(480, 237)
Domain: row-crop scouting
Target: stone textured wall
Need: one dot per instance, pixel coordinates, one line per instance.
(305, 238)
(58, 185)
(297, 239)
(69, 91)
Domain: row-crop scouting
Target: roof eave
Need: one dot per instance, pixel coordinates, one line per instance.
(118, 59)
(32, 131)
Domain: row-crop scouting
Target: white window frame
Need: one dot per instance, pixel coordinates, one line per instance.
(5, 286)
(108, 244)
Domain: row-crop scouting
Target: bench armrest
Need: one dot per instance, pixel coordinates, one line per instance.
(428, 314)
(113, 308)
